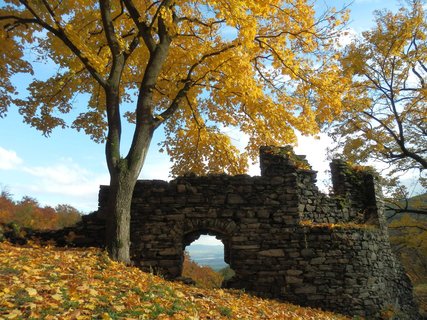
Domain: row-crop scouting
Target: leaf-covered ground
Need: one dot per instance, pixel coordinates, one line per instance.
(53, 283)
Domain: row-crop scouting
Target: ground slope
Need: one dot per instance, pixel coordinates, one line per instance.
(53, 283)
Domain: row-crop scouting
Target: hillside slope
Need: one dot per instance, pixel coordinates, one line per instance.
(56, 283)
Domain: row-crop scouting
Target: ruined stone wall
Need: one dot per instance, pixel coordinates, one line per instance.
(282, 237)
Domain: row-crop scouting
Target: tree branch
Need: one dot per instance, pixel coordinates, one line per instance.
(113, 43)
(409, 227)
(188, 84)
(63, 37)
(144, 30)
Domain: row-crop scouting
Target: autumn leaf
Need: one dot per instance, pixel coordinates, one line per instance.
(57, 297)
(171, 65)
(385, 110)
(31, 292)
(119, 292)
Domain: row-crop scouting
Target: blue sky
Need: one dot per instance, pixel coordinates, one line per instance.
(68, 167)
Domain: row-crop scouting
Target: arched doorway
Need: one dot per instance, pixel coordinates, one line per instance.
(206, 258)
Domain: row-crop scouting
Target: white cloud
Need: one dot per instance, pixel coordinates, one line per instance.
(315, 149)
(159, 169)
(347, 36)
(208, 240)
(9, 159)
(65, 173)
(64, 182)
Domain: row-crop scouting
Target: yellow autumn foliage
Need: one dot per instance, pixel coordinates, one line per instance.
(385, 117)
(263, 68)
(197, 69)
(56, 283)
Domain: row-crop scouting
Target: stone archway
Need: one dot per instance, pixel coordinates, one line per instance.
(221, 229)
(215, 256)
(277, 233)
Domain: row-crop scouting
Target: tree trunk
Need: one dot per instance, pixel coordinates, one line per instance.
(118, 216)
(122, 183)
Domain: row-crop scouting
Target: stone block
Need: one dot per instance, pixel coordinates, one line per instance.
(277, 181)
(317, 261)
(271, 202)
(180, 188)
(168, 263)
(272, 253)
(263, 214)
(307, 253)
(239, 238)
(195, 198)
(307, 289)
(235, 199)
(293, 272)
(246, 247)
(218, 199)
(294, 254)
(253, 225)
(293, 280)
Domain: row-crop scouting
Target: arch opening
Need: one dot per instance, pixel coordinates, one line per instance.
(206, 259)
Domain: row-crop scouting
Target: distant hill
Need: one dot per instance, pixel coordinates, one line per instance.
(417, 202)
(207, 255)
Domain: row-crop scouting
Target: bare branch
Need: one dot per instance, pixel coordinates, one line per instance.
(408, 227)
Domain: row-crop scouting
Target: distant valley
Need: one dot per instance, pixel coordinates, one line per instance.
(207, 255)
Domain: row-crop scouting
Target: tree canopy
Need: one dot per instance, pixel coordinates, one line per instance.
(193, 67)
(29, 213)
(264, 67)
(386, 117)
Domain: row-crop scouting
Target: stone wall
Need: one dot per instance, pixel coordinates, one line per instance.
(282, 237)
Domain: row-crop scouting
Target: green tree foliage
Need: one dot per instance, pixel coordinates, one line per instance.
(67, 215)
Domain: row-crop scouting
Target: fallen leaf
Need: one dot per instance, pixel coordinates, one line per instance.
(105, 316)
(31, 292)
(14, 314)
(57, 297)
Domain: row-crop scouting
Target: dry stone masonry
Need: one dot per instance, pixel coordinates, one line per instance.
(282, 237)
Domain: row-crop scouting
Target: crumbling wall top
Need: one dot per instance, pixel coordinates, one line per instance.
(361, 186)
(276, 161)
